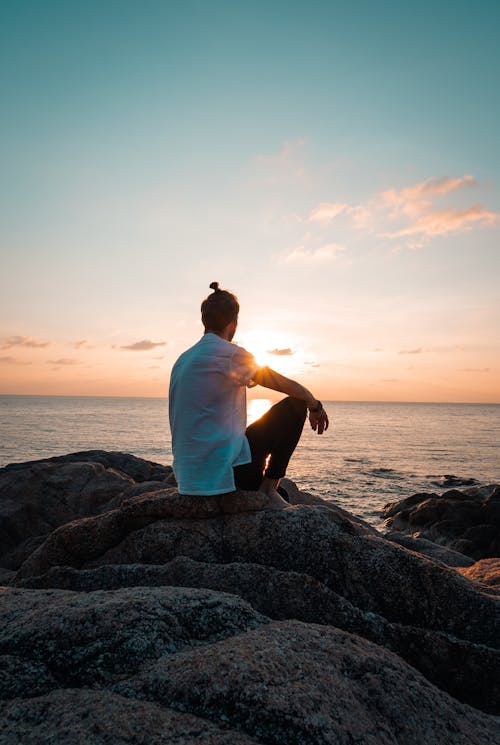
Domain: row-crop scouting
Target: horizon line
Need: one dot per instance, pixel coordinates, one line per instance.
(332, 400)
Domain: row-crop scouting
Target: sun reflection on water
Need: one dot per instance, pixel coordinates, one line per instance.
(256, 408)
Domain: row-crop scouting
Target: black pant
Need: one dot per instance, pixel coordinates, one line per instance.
(274, 435)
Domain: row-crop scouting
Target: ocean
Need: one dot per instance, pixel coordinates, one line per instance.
(373, 452)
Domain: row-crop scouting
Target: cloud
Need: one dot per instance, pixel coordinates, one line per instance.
(419, 350)
(474, 369)
(82, 343)
(23, 341)
(286, 153)
(141, 346)
(281, 352)
(302, 255)
(326, 212)
(443, 222)
(284, 166)
(64, 361)
(412, 212)
(13, 361)
(419, 195)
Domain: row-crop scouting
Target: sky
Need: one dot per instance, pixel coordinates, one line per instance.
(334, 164)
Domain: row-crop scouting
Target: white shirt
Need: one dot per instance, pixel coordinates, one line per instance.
(207, 412)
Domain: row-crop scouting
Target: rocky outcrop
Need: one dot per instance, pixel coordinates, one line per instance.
(466, 521)
(432, 550)
(37, 497)
(283, 595)
(221, 620)
(485, 571)
(74, 716)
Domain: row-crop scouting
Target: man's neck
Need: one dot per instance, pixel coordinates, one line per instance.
(222, 335)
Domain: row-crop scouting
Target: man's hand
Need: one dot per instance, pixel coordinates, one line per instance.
(319, 421)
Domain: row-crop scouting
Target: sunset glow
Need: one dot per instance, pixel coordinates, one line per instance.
(322, 163)
(257, 407)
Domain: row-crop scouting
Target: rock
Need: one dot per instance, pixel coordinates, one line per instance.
(35, 500)
(449, 479)
(485, 571)
(282, 595)
(207, 660)
(431, 549)
(135, 468)
(465, 521)
(38, 496)
(289, 682)
(372, 573)
(77, 717)
(85, 639)
(219, 619)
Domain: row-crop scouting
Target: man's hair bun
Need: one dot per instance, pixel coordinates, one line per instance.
(214, 286)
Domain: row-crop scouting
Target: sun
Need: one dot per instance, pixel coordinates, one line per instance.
(274, 349)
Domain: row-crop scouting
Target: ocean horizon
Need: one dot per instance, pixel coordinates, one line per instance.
(375, 452)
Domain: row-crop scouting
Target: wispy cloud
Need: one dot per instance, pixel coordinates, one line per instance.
(144, 345)
(64, 361)
(419, 196)
(23, 341)
(284, 165)
(474, 369)
(281, 352)
(303, 255)
(412, 212)
(81, 344)
(327, 212)
(419, 350)
(13, 361)
(442, 222)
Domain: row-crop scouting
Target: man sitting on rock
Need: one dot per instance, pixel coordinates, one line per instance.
(214, 451)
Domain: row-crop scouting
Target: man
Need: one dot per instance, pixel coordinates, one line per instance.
(214, 451)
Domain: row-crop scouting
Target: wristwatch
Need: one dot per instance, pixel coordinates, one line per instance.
(317, 408)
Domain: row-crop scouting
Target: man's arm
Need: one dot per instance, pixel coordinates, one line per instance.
(269, 378)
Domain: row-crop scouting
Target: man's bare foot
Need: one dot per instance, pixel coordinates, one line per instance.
(276, 501)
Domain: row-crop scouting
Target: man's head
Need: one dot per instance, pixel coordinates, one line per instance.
(219, 312)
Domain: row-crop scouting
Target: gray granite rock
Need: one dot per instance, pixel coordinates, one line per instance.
(150, 617)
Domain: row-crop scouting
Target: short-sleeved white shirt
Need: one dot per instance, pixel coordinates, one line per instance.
(207, 412)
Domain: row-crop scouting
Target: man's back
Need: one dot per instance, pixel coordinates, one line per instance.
(207, 411)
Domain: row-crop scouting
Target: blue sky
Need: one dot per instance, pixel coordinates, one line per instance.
(149, 148)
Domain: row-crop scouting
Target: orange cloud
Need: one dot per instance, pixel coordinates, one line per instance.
(141, 346)
(281, 352)
(411, 351)
(412, 212)
(13, 361)
(23, 341)
(442, 222)
(474, 369)
(64, 361)
(420, 192)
